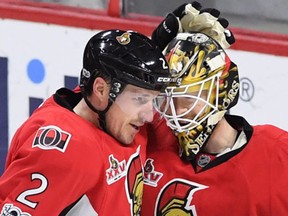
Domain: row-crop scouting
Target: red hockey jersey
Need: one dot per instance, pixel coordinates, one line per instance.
(60, 164)
(251, 180)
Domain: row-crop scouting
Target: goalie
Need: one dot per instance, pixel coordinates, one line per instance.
(207, 162)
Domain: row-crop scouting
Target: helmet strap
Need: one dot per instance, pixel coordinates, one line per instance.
(116, 89)
(101, 114)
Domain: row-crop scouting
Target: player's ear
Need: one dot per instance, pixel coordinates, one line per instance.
(101, 90)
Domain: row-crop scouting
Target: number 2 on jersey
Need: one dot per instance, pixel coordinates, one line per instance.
(23, 197)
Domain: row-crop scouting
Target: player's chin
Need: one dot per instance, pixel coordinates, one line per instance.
(128, 133)
(127, 138)
(127, 141)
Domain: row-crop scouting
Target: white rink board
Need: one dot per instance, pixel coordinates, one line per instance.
(268, 75)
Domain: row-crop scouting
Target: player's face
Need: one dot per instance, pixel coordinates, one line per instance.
(188, 105)
(183, 110)
(131, 109)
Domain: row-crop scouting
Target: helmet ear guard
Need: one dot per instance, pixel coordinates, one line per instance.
(204, 68)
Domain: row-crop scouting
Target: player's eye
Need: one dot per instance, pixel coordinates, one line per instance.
(140, 100)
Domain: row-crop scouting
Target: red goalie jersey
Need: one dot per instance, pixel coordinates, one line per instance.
(251, 180)
(69, 167)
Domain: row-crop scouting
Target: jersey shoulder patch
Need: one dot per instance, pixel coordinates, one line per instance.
(51, 137)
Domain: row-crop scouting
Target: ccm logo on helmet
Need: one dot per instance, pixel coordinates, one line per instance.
(169, 79)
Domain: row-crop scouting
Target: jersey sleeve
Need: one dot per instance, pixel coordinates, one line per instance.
(42, 174)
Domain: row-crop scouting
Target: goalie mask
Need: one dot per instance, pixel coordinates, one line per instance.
(204, 86)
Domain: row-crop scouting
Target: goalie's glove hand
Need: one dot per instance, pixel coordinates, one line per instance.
(191, 18)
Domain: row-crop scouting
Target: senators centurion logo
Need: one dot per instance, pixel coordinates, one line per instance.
(134, 183)
(124, 39)
(176, 198)
(51, 137)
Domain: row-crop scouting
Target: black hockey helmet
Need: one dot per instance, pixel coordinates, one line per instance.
(126, 57)
(121, 58)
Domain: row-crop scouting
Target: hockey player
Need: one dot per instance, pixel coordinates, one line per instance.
(80, 153)
(208, 162)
